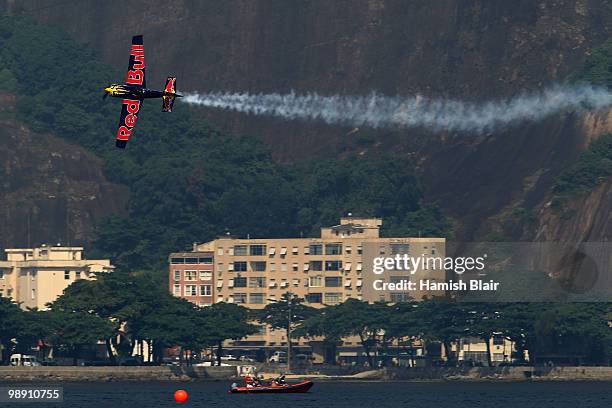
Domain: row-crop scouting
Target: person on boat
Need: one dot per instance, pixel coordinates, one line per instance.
(257, 381)
(249, 381)
(278, 381)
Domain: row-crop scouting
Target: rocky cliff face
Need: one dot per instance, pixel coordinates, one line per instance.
(50, 191)
(472, 50)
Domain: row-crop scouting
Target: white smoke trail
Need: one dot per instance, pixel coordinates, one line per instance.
(437, 114)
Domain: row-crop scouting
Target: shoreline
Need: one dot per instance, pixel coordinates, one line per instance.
(229, 373)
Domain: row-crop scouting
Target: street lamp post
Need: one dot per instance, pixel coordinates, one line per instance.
(289, 306)
(289, 298)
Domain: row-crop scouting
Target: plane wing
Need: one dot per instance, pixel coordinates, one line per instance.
(130, 107)
(129, 115)
(136, 67)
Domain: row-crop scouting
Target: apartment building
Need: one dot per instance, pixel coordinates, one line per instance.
(191, 276)
(323, 271)
(34, 277)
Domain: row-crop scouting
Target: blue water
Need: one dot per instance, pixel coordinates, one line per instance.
(342, 395)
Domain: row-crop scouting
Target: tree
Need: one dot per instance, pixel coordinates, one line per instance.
(10, 323)
(580, 331)
(353, 317)
(171, 322)
(285, 314)
(442, 320)
(120, 297)
(222, 321)
(321, 325)
(73, 330)
(35, 328)
(403, 322)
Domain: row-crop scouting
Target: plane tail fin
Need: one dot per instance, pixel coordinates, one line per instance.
(169, 94)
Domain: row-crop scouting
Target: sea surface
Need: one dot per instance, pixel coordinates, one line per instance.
(340, 395)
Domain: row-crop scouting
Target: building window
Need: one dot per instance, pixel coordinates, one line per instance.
(240, 266)
(177, 275)
(400, 249)
(33, 294)
(272, 267)
(205, 290)
(284, 267)
(348, 250)
(316, 266)
(315, 281)
(295, 267)
(257, 250)
(333, 281)
(220, 267)
(240, 250)
(259, 266)
(333, 298)
(359, 250)
(294, 250)
(333, 265)
(205, 275)
(240, 297)
(257, 298)
(77, 275)
(257, 282)
(191, 275)
(67, 275)
(191, 290)
(498, 340)
(220, 251)
(206, 261)
(191, 261)
(314, 298)
(240, 282)
(177, 260)
(315, 249)
(333, 249)
(177, 290)
(400, 297)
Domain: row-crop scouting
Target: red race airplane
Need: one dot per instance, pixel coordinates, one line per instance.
(134, 91)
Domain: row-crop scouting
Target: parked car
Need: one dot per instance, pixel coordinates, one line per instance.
(247, 359)
(25, 360)
(278, 357)
(229, 357)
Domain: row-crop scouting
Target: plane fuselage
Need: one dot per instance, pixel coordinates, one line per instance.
(127, 91)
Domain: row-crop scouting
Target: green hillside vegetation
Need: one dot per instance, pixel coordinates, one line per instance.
(594, 166)
(598, 67)
(187, 180)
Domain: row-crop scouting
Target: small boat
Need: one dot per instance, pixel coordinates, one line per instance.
(302, 386)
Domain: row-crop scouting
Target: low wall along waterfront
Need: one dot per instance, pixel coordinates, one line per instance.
(155, 373)
(175, 373)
